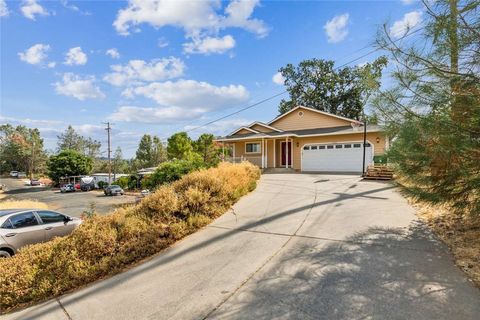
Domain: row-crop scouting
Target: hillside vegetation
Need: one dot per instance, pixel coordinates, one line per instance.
(105, 245)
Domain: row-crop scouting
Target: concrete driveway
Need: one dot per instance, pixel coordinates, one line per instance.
(299, 247)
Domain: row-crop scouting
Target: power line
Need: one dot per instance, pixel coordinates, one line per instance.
(285, 91)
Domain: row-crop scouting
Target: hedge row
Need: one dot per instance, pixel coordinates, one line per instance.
(105, 245)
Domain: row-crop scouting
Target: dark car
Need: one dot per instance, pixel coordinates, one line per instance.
(113, 190)
(35, 182)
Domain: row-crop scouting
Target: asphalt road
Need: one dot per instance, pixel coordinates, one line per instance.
(299, 247)
(73, 203)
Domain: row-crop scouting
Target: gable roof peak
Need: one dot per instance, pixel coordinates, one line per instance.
(314, 110)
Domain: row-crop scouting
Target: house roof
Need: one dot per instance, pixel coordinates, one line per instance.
(302, 133)
(264, 125)
(314, 110)
(243, 128)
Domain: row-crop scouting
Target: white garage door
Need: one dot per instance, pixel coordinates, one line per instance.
(339, 157)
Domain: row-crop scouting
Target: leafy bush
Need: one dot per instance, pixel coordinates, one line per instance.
(172, 171)
(123, 182)
(104, 245)
(380, 159)
(127, 182)
(102, 184)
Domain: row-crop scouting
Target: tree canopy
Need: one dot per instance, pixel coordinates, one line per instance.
(180, 146)
(71, 140)
(68, 163)
(21, 149)
(317, 84)
(150, 152)
(432, 108)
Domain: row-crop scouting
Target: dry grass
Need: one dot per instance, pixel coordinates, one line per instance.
(22, 204)
(461, 233)
(105, 245)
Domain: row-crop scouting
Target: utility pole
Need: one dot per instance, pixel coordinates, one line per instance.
(109, 151)
(364, 143)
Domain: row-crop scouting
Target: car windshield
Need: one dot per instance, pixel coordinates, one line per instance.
(115, 187)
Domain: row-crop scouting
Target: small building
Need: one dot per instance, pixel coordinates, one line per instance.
(97, 177)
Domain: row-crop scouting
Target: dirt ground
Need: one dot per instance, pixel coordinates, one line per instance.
(72, 204)
(461, 234)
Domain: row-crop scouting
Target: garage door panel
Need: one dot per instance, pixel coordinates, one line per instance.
(337, 159)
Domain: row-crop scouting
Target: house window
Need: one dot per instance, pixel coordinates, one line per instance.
(300, 113)
(346, 146)
(338, 146)
(329, 147)
(321, 147)
(314, 147)
(306, 148)
(356, 145)
(252, 147)
(367, 145)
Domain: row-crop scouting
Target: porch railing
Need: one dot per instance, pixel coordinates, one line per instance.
(254, 160)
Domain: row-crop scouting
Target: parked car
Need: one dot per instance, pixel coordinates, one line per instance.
(113, 190)
(13, 174)
(21, 175)
(145, 193)
(21, 227)
(67, 188)
(35, 182)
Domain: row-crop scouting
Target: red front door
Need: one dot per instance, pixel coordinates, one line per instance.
(284, 153)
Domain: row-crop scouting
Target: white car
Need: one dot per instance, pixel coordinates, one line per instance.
(14, 174)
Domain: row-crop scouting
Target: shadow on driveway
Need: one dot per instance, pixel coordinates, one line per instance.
(399, 275)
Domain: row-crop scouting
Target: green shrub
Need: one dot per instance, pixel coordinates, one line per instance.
(127, 182)
(171, 171)
(102, 184)
(380, 159)
(104, 245)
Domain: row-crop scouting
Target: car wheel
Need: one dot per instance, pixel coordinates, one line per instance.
(5, 254)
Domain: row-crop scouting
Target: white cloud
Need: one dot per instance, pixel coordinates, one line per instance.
(278, 79)
(336, 29)
(30, 8)
(401, 27)
(3, 9)
(407, 2)
(190, 94)
(113, 52)
(193, 16)
(179, 101)
(30, 122)
(200, 20)
(208, 45)
(77, 87)
(36, 54)
(140, 70)
(75, 56)
(51, 64)
(162, 42)
(154, 115)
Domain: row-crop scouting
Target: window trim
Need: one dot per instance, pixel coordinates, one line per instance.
(254, 142)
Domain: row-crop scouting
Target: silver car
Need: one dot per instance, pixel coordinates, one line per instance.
(20, 227)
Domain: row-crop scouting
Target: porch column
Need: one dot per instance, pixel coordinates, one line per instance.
(266, 153)
(286, 152)
(262, 153)
(274, 153)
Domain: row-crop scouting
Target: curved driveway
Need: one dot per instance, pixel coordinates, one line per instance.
(299, 247)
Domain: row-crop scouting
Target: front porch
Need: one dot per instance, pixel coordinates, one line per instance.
(264, 153)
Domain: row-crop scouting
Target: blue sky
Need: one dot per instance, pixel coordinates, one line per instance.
(167, 66)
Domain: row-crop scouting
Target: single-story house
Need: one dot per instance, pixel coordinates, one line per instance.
(307, 140)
